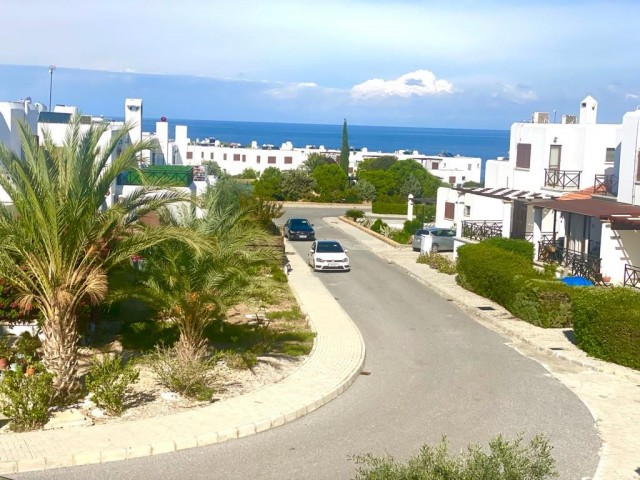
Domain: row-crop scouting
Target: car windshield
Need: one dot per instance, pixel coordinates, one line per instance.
(329, 247)
(298, 222)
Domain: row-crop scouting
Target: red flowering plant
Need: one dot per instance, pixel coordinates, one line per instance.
(10, 312)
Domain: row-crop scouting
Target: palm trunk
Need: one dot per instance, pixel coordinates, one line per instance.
(60, 348)
(192, 344)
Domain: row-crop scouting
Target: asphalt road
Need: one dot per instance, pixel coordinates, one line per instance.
(433, 372)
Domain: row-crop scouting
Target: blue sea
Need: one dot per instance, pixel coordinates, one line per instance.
(486, 144)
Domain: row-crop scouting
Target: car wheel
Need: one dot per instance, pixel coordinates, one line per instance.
(435, 248)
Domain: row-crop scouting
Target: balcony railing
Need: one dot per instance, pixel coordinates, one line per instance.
(578, 263)
(481, 229)
(159, 176)
(631, 276)
(563, 179)
(545, 237)
(605, 185)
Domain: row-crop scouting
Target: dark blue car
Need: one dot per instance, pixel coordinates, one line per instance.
(299, 229)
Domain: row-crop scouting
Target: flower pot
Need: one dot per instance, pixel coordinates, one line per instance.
(4, 363)
(606, 278)
(31, 371)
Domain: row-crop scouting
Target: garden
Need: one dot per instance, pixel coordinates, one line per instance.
(158, 302)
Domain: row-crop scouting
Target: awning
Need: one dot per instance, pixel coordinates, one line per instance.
(615, 212)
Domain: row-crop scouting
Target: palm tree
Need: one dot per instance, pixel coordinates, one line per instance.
(193, 289)
(59, 238)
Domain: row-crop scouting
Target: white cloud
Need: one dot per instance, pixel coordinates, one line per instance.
(516, 93)
(290, 91)
(632, 96)
(420, 83)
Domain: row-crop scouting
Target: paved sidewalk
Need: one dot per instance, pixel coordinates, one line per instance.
(336, 360)
(610, 392)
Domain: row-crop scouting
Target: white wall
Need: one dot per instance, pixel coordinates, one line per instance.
(628, 190)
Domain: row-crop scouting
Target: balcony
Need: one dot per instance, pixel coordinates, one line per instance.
(563, 179)
(481, 229)
(579, 264)
(605, 185)
(159, 176)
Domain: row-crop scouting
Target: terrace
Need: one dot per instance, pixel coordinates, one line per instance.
(159, 176)
(563, 179)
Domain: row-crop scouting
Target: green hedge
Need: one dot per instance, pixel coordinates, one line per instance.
(394, 208)
(492, 272)
(544, 303)
(520, 247)
(606, 324)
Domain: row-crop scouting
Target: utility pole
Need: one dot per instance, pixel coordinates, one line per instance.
(51, 69)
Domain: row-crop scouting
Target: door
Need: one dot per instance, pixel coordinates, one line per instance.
(554, 165)
(519, 220)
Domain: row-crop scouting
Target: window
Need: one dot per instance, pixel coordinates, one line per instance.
(201, 154)
(434, 165)
(611, 155)
(523, 155)
(452, 180)
(224, 157)
(258, 159)
(467, 210)
(244, 157)
(449, 210)
(236, 157)
(469, 166)
(211, 156)
(189, 155)
(271, 159)
(288, 160)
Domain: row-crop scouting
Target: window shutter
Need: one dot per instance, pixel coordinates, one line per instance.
(449, 210)
(523, 155)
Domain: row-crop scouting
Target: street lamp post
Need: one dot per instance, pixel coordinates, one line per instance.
(51, 69)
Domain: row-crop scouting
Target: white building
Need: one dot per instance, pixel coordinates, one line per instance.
(571, 185)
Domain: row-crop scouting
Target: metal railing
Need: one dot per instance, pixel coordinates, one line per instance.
(182, 177)
(578, 263)
(562, 178)
(605, 185)
(631, 276)
(481, 229)
(546, 237)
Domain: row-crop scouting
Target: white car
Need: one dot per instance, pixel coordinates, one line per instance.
(328, 255)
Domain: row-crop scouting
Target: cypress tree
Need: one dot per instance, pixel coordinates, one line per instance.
(344, 150)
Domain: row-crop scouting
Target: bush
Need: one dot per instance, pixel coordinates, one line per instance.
(400, 236)
(27, 345)
(186, 376)
(493, 272)
(108, 381)
(606, 323)
(412, 226)
(238, 360)
(378, 226)
(439, 262)
(146, 335)
(544, 303)
(354, 214)
(393, 208)
(520, 247)
(506, 460)
(26, 399)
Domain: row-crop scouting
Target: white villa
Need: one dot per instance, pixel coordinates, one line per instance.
(573, 189)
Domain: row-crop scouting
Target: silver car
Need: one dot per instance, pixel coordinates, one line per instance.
(441, 238)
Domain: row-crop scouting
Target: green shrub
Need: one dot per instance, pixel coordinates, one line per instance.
(606, 324)
(108, 380)
(27, 345)
(439, 262)
(544, 303)
(238, 360)
(354, 214)
(186, 376)
(294, 313)
(492, 272)
(378, 225)
(505, 460)
(412, 226)
(520, 247)
(26, 399)
(278, 274)
(393, 208)
(400, 236)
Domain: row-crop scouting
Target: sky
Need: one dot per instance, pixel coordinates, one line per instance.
(421, 63)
